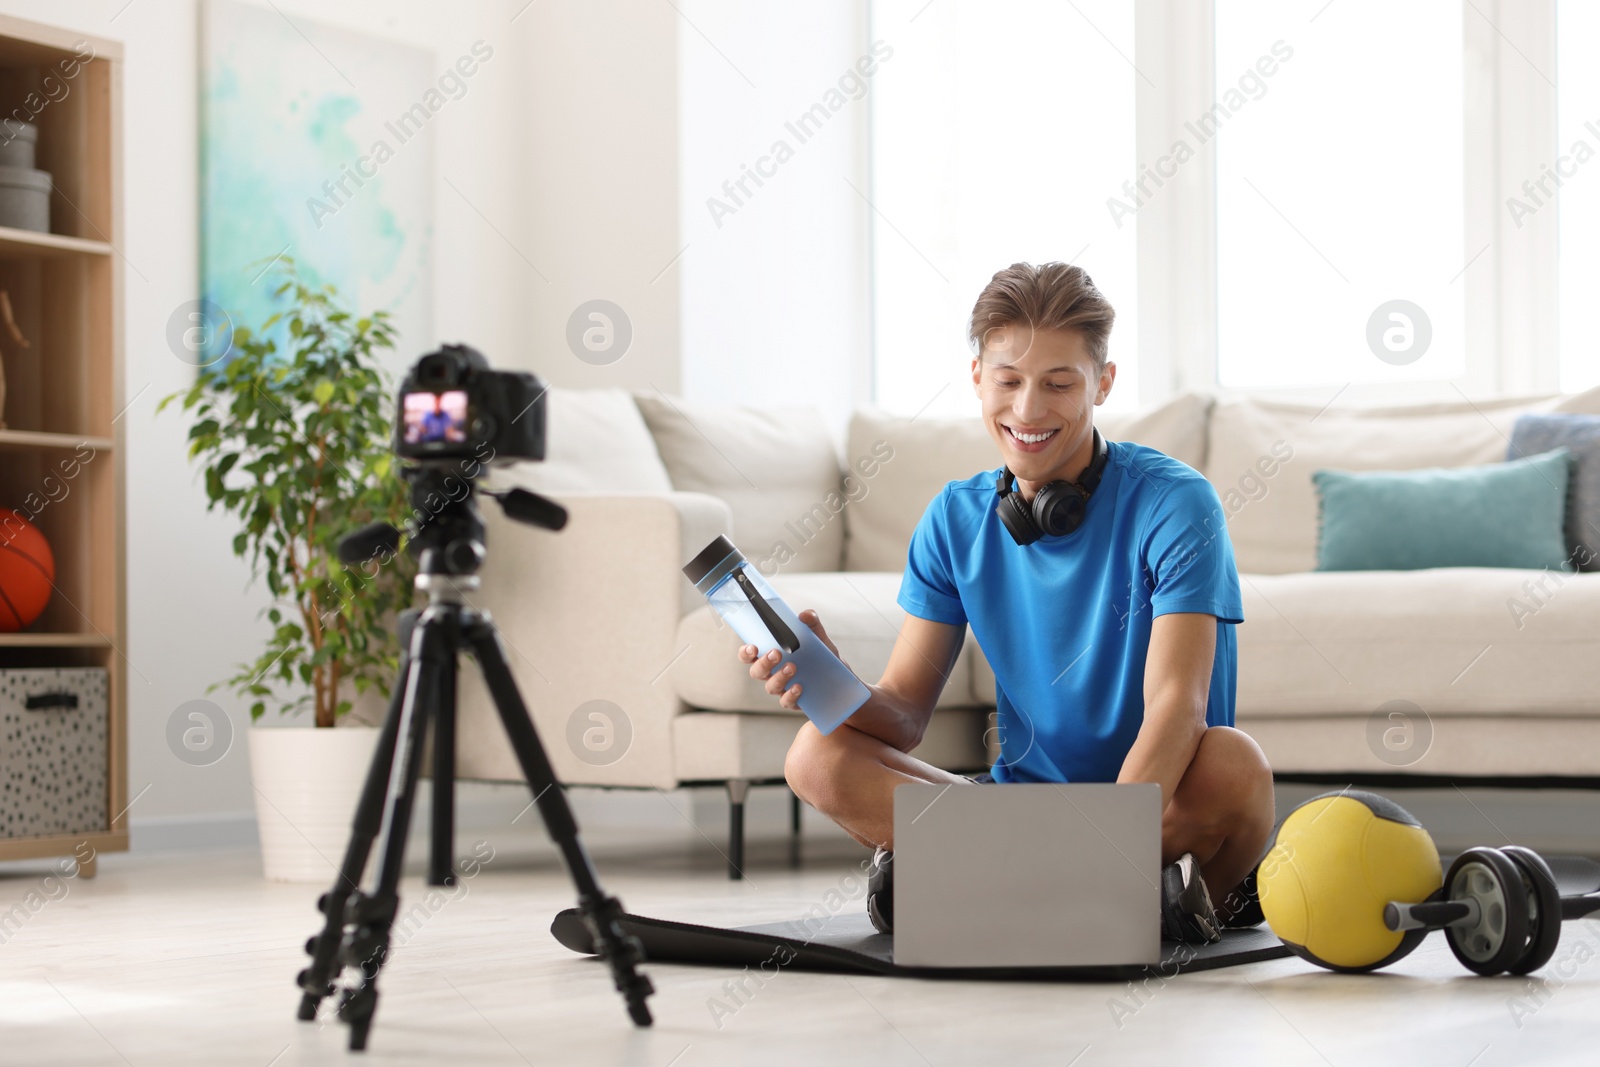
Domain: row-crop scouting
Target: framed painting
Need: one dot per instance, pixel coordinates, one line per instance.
(316, 144)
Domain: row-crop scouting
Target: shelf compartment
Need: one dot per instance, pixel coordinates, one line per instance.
(61, 382)
(74, 121)
(69, 497)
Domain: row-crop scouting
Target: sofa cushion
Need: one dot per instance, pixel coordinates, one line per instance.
(777, 469)
(918, 456)
(1581, 435)
(716, 745)
(1272, 519)
(1453, 640)
(1369, 624)
(595, 439)
(1509, 514)
(859, 613)
(1515, 745)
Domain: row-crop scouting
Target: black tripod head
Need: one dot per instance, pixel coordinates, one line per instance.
(445, 531)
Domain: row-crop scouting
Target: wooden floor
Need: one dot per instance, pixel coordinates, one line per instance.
(182, 958)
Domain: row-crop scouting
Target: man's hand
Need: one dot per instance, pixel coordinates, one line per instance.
(761, 667)
(902, 701)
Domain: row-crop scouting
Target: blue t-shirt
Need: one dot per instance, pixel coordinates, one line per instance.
(1065, 621)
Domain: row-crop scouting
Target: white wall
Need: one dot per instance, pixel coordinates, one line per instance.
(565, 143)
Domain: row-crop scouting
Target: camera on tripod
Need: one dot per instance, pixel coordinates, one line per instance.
(452, 406)
(456, 417)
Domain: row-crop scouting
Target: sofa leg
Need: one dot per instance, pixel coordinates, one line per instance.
(738, 789)
(794, 830)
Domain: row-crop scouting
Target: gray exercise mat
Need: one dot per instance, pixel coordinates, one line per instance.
(846, 942)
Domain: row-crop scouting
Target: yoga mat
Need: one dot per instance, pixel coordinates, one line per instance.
(846, 942)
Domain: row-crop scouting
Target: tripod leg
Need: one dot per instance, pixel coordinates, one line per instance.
(316, 981)
(602, 914)
(441, 870)
(371, 917)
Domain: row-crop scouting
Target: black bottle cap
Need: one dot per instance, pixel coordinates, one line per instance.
(714, 557)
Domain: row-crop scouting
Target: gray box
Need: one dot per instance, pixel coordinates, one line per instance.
(25, 199)
(17, 141)
(53, 751)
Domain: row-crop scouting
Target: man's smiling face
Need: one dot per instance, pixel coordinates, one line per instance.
(1039, 389)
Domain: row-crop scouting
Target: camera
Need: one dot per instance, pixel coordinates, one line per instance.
(452, 406)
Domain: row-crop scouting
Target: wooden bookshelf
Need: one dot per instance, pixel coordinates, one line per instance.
(65, 391)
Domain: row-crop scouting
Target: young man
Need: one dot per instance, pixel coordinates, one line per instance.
(1099, 581)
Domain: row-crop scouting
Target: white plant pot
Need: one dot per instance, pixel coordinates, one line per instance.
(307, 783)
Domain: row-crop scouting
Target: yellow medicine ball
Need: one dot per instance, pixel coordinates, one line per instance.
(1333, 865)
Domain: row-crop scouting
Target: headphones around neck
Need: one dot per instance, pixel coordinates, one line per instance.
(1058, 507)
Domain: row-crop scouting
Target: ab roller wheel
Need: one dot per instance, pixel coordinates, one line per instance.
(1544, 910)
(1352, 883)
(1493, 936)
(1518, 924)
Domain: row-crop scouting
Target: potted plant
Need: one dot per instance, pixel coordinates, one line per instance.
(295, 443)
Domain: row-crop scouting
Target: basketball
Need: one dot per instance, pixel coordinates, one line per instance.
(27, 571)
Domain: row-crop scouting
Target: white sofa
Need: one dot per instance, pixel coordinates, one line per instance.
(602, 612)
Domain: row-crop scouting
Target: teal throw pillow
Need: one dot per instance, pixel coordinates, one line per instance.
(1497, 515)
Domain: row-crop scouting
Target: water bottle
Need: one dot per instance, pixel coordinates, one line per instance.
(830, 693)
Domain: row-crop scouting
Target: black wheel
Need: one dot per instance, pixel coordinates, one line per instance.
(1500, 936)
(1544, 909)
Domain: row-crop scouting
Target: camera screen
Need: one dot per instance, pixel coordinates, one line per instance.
(436, 418)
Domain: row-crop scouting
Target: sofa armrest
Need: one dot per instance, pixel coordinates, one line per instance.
(589, 614)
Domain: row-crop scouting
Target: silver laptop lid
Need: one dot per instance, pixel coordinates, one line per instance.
(1017, 875)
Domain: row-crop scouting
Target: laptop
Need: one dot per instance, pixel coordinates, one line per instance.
(1027, 875)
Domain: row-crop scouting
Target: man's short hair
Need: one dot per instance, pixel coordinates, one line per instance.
(1051, 296)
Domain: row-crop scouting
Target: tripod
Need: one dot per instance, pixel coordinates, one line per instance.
(449, 546)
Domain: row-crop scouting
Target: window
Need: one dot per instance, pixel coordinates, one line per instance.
(999, 133)
(1339, 192)
(1335, 199)
(1578, 169)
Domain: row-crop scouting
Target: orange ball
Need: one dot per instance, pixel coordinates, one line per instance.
(27, 571)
